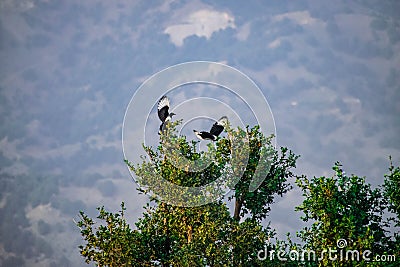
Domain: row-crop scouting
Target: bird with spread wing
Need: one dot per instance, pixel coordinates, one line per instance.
(163, 113)
(215, 131)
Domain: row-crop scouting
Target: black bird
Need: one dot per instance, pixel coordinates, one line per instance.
(216, 129)
(163, 112)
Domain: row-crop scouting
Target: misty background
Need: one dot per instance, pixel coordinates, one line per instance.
(330, 71)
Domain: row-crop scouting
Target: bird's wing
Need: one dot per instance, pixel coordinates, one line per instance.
(206, 136)
(218, 127)
(163, 107)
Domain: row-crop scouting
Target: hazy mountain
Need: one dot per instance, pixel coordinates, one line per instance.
(329, 70)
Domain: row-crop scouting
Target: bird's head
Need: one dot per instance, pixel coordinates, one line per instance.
(171, 114)
(223, 121)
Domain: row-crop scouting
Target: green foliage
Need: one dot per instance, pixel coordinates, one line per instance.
(113, 243)
(392, 189)
(177, 161)
(182, 236)
(206, 235)
(275, 170)
(392, 192)
(174, 236)
(342, 207)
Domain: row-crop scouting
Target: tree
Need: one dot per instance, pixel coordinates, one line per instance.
(175, 230)
(185, 233)
(392, 193)
(347, 216)
(275, 170)
(111, 244)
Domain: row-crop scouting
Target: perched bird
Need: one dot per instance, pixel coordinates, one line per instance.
(163, 113)
(216, 129)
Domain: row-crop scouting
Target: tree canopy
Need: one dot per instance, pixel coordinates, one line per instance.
(189, 230)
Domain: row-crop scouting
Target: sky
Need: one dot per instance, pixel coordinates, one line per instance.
(329, 71)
